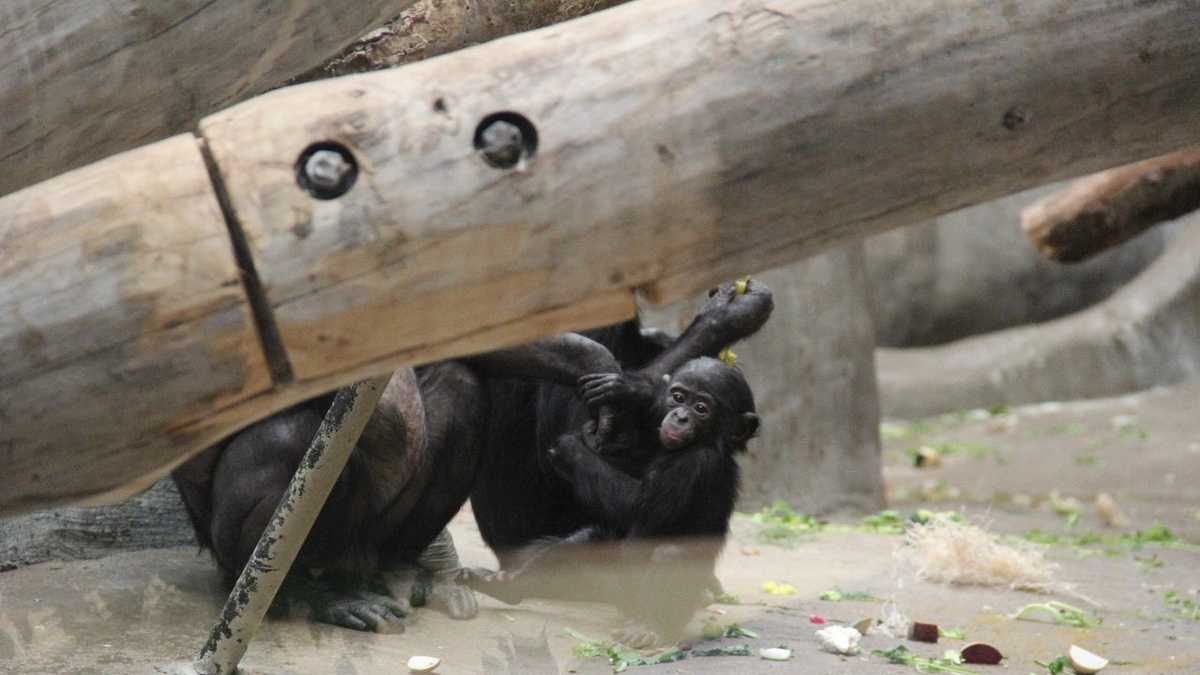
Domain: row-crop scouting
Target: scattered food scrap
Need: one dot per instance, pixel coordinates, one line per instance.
(839, 640)
(927, 457)
(423, 664)
(901, 656)
(1085, 662)
(1184, 605)
(818, 620)
(893, 622)
(838, 595)
(923, 632)
(1057, 613)
(778, 588)
(731, 650)
(621, 657)
(946, 551)
(983, 654)
(783, 526)
(775, 653)
(952, 633)
(1055, 667)
(1064, 506)
(1109, 513)
(864, 626)
(712, 630)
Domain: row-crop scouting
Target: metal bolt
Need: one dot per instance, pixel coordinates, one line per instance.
(502, 144)
(326, 168)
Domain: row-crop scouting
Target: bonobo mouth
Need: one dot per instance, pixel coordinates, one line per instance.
(670, 437)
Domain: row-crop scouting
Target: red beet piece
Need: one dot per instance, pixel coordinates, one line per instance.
(923, 632)
(978, 652)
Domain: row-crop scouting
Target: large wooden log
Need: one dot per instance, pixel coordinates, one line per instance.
(1105, 209)
(124, 322)
(81, 79)
(762, 135)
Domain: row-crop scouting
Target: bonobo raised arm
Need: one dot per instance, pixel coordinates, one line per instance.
(726, 318)
(561, 359)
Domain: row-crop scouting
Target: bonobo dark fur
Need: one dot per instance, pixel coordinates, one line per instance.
(519, 499)
(699, 418)
(410, 472)
(475, 426)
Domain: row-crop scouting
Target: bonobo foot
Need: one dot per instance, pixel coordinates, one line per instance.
(361, 610)
(443, 590)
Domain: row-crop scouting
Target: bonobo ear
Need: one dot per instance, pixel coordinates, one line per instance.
(747, 427)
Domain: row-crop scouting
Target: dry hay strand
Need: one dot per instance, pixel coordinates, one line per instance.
(950, 552)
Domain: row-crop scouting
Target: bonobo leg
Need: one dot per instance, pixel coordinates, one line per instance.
(456, 408)
(249, 479)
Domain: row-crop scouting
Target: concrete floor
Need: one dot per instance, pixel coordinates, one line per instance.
(130, 613)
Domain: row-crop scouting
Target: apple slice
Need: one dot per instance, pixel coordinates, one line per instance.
(1085, 662)
(423, 664)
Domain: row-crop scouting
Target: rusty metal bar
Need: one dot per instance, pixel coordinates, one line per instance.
(289, 526)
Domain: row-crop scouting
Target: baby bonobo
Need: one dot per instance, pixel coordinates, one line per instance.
(691, 426)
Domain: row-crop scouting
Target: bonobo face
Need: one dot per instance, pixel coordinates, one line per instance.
(705, 399)
(691, 413)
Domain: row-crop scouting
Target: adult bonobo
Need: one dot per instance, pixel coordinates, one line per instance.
(691, 426)
(409, 473)
(519, 497)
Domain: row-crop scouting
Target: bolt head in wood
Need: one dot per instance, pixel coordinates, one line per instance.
(326, 170)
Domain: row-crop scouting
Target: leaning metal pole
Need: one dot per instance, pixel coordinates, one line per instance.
(293, 518)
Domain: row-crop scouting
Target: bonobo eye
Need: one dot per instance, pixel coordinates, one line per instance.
(701, 408)
(677, 396)
(712, 291)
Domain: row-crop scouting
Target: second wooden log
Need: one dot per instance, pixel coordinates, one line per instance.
(1105, 209)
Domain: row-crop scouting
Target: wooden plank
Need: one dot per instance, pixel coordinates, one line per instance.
(122, 319)
(1108, 208)
(81, 79)
(764, 133)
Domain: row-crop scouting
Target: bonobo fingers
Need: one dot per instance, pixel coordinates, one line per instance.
(602, 388)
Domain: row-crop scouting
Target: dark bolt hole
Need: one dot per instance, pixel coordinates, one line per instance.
(326, 170)
(1016, 117)
(506, 139)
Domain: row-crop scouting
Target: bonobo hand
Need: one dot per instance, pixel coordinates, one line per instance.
(738, 315)
(564, 455)
(599, 389)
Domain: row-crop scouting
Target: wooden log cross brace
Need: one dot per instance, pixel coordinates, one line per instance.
(1103, 210)
(158, 300)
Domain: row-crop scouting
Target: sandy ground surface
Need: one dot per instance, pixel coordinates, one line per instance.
(131, 613)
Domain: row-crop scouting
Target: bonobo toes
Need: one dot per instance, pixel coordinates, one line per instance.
(364, 611)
